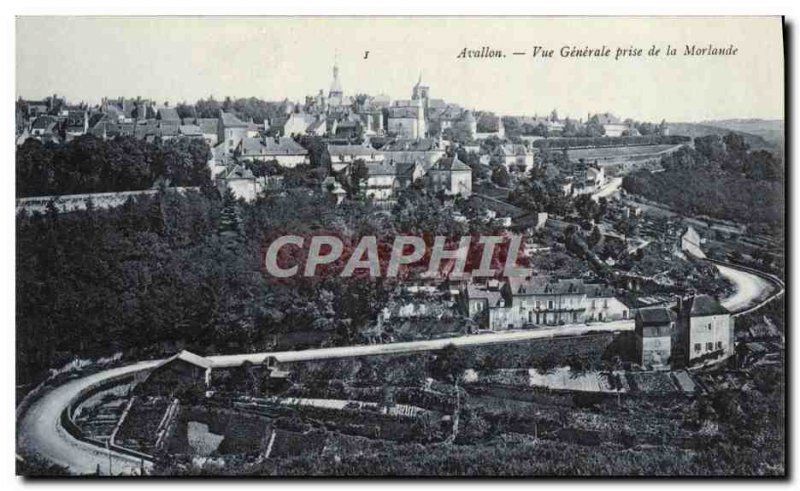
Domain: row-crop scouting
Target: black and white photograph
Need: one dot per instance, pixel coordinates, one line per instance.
(399, 246)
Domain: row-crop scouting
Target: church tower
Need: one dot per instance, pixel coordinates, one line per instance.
(419, 98)
(335, 95)
(420, 92)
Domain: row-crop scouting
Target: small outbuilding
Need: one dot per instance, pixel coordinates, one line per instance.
(182, 373)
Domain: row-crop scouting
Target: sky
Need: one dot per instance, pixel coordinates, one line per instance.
(186, 58)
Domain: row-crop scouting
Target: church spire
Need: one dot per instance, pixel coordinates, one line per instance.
(336, 86)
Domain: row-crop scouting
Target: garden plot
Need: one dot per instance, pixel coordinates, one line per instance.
(201, 441)
(563, 378)
(338, 404)
(651, 382)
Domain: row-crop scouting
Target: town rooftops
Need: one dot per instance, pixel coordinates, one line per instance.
(655, 316)
(271, 147)
(451, 163)
(313, 127)
(405, 145)
(238, 172)
(403, 112)
(356, 150)
(169, 128)
(703, 305)
(380, 169)
(655, 322)
(608, 118)
(38, 103)
(598, 290)
(229, 120)
(511, 149)
(283, 146)
(493, 297)
(546, 285)
(168, 114)
(253, 146)
(406, 169)
(208, 126)
(190, 130)
(450, 112)
(44, 122)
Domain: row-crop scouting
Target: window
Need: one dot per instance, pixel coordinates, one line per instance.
(605, 303)
(594, 303)
(624, 314)
(709, 326)
(709, 346)
(719, 344)
(538, 305)
(550, 305)
(697, 348)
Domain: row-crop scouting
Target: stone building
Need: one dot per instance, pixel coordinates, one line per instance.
(451, 176)
(705, 331)
(655, 328)
(230, 131)
(544, 301)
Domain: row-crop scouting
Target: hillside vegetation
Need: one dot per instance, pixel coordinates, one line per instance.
(720, 178)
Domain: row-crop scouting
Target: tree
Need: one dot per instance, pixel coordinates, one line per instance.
(570, 128)
(358, 177)
(500, 176)
(230, 223)
(451, 361)
(711, 147)
(593, 127)
(595, 237)
(586, 207)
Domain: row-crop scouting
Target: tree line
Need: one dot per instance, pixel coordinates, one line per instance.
(89, 164)
(721, 178)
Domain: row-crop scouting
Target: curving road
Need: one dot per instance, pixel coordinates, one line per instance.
(39, 430)
(750, 288)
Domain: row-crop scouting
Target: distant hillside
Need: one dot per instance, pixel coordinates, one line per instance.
(694, 130)
(768, 129)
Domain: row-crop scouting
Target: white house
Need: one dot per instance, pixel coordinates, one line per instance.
(381, 181)
(344, 155)
(230, 131)
(515, 157)
(283, 150)
(451, 176)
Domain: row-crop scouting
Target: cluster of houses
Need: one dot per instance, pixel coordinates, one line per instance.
(582, 179)
(694, 330)
(541, 300)
(400, 142)
(404, 152)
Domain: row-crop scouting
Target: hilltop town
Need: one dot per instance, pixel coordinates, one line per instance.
(141, 227)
